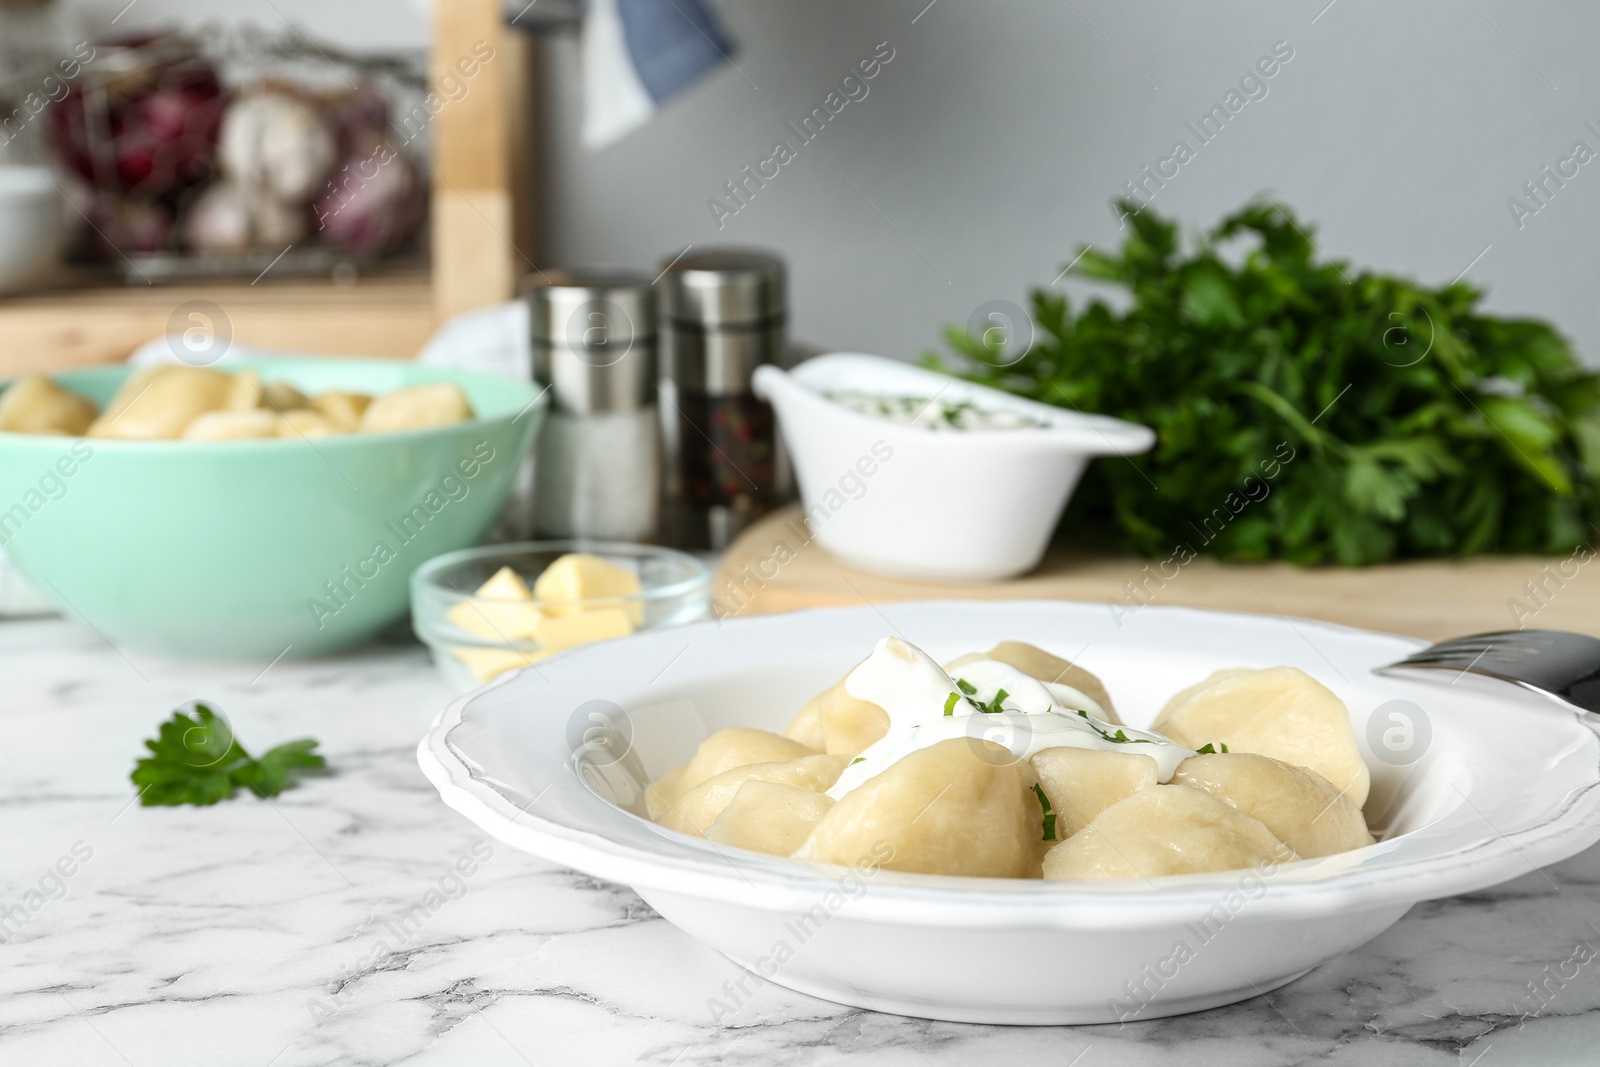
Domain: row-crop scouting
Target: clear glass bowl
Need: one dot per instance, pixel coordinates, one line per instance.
(675, 588)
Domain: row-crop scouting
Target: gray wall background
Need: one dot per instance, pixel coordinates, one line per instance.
(996, 137)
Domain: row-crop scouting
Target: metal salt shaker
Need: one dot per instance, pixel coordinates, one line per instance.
(597, 472)
(725, 314)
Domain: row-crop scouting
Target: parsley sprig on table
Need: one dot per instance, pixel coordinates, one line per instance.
(196, 760)
(1307, 410)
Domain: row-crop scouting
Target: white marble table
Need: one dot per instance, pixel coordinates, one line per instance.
(333, 925)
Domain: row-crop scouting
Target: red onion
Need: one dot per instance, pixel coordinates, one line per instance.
(373, 202)
(143, 121)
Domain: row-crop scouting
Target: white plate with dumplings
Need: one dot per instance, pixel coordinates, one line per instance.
(1122, 834)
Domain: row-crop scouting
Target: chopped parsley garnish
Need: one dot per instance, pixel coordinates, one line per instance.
(1049, 833)
(1119, 737)
(858, 759)
(966, 687)
(950, 705)
(993, 707)
(1210, 750)
(955, 414)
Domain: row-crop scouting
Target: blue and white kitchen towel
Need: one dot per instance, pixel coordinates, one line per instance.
(639, 53)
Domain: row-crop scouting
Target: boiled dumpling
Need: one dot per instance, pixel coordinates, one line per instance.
(769, 817)
(244, 393)
(1211, 679)
(417, 407)
(1167, 829)
(1280, 712)
(806, 727)
(247, 391)
(660, 794)
(1041, 666)
(944, 809)
(308, 422)
(1083, 782)
(722, 751)
(35, 404)
(159, 403)
(344, 409)
(736, 747)
(231, 425)
(1299, 806)
(839, 723)
(281, 396)
(698, 806)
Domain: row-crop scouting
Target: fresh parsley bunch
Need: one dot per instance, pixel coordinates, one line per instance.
(1414, 424)
(196, 760)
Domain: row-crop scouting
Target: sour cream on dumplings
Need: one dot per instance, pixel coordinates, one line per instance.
(914, 691)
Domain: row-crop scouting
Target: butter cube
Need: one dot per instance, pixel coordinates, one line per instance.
(486, 664)
(577, 576)
(505, 609)
(502, 609)
(569, 631)
(505, 584)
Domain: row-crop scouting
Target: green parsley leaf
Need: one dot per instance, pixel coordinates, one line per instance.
(1049, 831)
(196, 760)
(269, 775)
(858, 759)
(1210, 749)
(1119, 737)
(993, 707)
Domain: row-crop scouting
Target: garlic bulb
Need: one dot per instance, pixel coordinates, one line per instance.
(218, 221)
(278, 144)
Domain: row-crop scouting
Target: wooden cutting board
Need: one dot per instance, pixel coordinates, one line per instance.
(776, 566)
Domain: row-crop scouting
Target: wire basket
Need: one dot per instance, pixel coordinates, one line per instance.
(234, 151)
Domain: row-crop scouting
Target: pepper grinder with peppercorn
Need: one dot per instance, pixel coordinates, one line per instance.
(723, 313)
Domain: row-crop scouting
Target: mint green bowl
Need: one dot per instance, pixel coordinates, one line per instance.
(240, 550)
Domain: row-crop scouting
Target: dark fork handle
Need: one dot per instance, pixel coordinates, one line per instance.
(1565, 665)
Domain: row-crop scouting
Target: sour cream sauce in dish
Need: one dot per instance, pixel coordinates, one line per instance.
(933, 413)
(926, 705)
